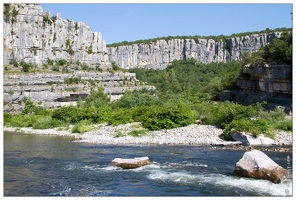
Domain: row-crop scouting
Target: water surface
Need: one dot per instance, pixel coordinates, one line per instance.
(42, 165)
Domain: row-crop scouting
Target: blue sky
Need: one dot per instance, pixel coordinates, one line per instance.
(130, 21)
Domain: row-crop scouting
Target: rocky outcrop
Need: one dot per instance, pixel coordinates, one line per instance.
(271, 79)
(32, 35)
(130, 163)
(249, 140)
(256, 164)
(53, 90)
(159, 54)
(270, 83)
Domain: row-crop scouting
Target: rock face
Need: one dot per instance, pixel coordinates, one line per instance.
(272, 83)
(53, 91)
(130, 163)
(33, 35)
(255, 164)
(271, 79)
(159, 54)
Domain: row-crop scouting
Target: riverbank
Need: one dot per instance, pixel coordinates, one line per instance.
(194, 134)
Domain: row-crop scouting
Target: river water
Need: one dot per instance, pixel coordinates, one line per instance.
(42, 165)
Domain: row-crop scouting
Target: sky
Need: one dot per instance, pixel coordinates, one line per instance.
(119, 22)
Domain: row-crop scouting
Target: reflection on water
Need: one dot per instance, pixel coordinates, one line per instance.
(42, 165)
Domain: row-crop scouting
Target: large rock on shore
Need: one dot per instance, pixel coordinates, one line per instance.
(249, 140)
(256, 164)
(130, 163)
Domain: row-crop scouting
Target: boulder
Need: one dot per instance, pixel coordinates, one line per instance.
(256, 164)
(247, 139)
(130, 163)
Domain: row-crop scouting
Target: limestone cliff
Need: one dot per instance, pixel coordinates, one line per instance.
(270, 83)
(159, 54)
(32, 35)
(53, 90)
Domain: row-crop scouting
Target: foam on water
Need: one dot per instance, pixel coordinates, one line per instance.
(260, 187)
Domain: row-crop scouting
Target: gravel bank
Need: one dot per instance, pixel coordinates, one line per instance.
(118, 135)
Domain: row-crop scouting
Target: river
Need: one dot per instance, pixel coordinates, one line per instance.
(43, 165)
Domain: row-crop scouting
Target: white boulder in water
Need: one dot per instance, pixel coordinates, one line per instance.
(256, 164)
(130, 163)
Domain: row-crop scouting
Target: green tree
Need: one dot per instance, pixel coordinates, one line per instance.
(96, 99)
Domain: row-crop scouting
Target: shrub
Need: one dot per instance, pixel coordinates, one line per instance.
(222, 114)
(82, 127)
(89, 49)
(276, 114)
(72, 80)
(167, 117)
(46, 19)
(137, 133)
(49, 61)
(21, 120)
(138, 98)
(31, 108)
(14, 63)
(255, 127)
(115, 67)
(61, 62)
(66, 114)
(98, 68)
(120, 116)
(285, 125)
(43, 122)
(25, 66)
(85, 67)
(97, 98)
(7, 118)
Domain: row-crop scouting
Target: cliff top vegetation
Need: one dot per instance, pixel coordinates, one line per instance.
(196, 37)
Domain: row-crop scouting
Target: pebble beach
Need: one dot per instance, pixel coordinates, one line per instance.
(194, 134)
